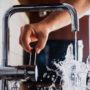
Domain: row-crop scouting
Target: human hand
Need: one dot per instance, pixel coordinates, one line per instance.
(32, 33)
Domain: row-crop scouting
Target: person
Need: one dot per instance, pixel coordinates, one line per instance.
(40, 31)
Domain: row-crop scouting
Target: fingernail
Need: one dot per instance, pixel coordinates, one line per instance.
(38, 51)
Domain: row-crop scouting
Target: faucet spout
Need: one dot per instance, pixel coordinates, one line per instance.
(74, 17)
(32, 8)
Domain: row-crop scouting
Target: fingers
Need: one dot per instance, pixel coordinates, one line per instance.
(41, 44)
(24, 39)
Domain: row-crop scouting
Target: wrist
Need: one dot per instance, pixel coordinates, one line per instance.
(46, 26)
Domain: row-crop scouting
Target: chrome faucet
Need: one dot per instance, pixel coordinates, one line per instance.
(33, 8)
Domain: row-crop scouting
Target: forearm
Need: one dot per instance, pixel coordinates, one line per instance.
(59, 19)
(56, 20)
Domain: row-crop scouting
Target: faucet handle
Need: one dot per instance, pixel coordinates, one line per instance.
(32, 60)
